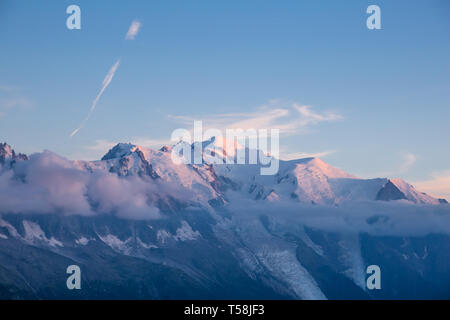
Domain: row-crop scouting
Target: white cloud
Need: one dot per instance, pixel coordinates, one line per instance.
(438, 185)
(409, 160)
(308, 116)
(300, 155)
(133, 30)
(289, 120)
(381, 218)
(151, 143)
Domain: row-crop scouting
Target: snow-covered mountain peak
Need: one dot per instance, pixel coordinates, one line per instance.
(120, 150)
(317, 166)
(222, 145)
(412, 194)
(127, 159)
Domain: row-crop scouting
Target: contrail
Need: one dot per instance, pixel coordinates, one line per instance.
(106, 82)
(133, 30)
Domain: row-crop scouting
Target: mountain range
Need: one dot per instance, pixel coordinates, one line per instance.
(141, 227)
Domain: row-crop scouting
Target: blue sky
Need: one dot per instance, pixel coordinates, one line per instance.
(380, 98)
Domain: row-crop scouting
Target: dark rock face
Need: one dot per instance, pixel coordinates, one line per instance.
(174, 268)
(166, 149)
(8, 155)
(443, 201)
(390, 192)
(146, 167)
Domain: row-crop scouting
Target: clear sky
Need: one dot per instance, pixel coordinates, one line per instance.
(379, 100)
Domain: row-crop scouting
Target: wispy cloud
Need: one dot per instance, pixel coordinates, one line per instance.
(133, 30)
(15, 102)
(405, 163)
(409, 160)
(289, 120)
(101, 145)
(308, 116)
(105, 84)
(11, 98)
(300, 155)
(151, 143)
(438, 185)
(8, 88)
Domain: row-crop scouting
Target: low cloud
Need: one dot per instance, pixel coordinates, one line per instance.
(48, 183)
(397, 218)
(126, 197)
